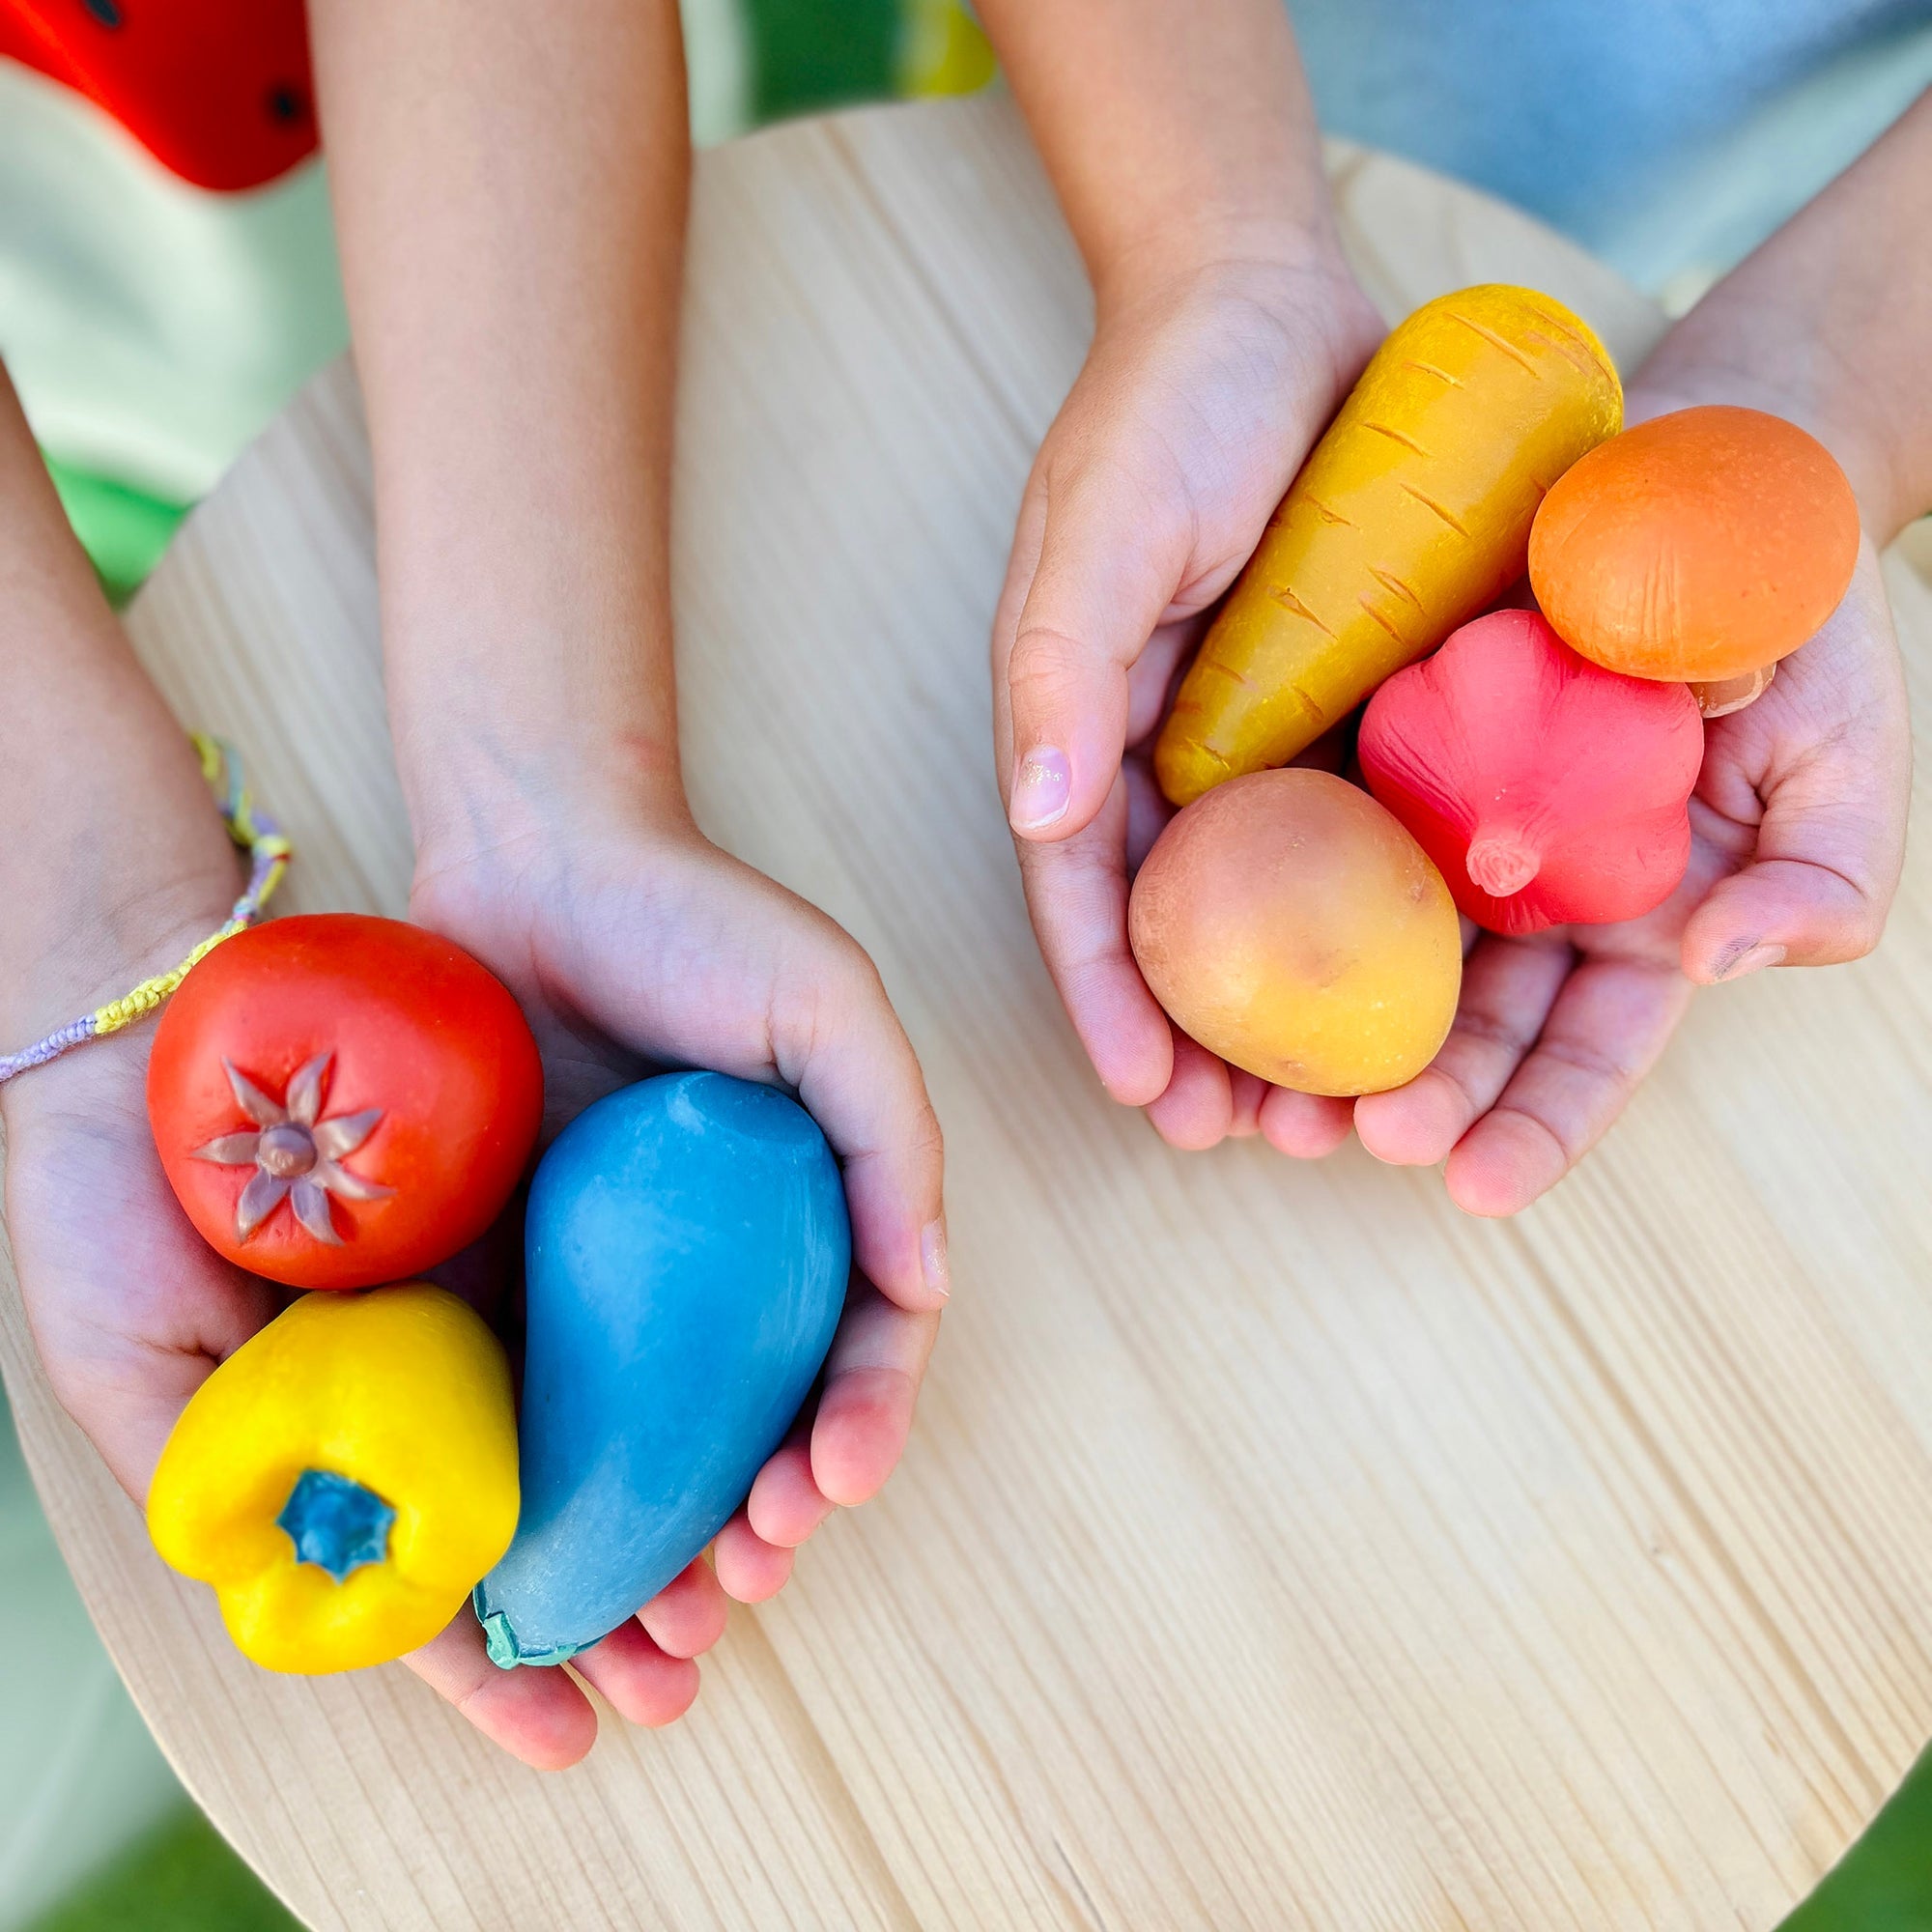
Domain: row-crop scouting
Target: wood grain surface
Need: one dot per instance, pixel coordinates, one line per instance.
(1277, 1549)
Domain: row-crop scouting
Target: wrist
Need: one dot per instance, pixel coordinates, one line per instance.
(485, 787)
(1305, 318)
(1262, 257)
(498, 743)
(99, 952)
(89, 1085)
(526, 635)
(509, 842)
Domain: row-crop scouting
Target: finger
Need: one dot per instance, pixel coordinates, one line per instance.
(1152, 676)
(1027, 535)
(872, 1382)
(1509, 985)
(845, 1052)
(1246, 1092)
(1604, 1033)
(1719, 697)
(686, 1616)
(1827, 751)
(1304, 1127)
(750, 1569)
(536, 1715)
(1198, 1107)
(1076, 893)
(786, 1504)
(1097, 590)
(640, 1680)
(1148, 814)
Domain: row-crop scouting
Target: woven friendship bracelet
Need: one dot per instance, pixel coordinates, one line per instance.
(269, 855)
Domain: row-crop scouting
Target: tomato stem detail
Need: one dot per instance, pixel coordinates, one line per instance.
(294, 1152)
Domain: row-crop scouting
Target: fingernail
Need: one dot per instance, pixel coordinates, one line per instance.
(1042, 790)
(933, 1262)
(1750, 959)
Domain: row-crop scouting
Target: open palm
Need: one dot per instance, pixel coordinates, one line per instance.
(627, 955)
(1148, 494)
(631, 953)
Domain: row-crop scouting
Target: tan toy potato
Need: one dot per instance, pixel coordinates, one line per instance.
(1287, 922)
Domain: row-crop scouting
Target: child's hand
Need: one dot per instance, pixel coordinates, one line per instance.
(1799, 812)
(1198, 399)
(633, 949)
(130, 1307)
(1798, 824)
(626, 952)
(1146, 500)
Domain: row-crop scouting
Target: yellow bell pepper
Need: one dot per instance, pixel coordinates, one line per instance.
(344, 1478)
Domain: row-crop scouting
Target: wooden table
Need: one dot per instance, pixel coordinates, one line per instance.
(1277, 1548)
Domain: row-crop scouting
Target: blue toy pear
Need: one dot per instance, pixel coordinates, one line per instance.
(687, 1250)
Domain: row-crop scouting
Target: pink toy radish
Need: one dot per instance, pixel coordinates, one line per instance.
(1547, 792)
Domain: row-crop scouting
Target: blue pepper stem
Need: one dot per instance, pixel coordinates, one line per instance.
(336, 1523)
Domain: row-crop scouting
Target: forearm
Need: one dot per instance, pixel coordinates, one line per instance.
(511, 241)
(110, 854)
(1830, 323)
(1175, 134)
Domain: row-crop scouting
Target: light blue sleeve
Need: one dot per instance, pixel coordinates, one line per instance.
(1668, 136)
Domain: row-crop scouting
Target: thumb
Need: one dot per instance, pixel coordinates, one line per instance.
(1831, 760)
(1078, 620)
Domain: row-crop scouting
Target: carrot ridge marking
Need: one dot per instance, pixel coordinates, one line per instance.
(1573, 349)
(1368, 603)
(1288, 601)
(1430, 503)
(1391, 581)
(1496, 341)
(1396, 435)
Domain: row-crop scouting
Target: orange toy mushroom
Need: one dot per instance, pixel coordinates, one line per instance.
(1546, 790)
(1698, 548)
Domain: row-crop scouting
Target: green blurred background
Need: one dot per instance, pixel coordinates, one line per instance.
(751, 62)
(95, 1836)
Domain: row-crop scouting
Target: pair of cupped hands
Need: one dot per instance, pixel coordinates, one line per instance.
(633, 942)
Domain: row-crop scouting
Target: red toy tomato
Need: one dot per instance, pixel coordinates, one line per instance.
(341, 1100)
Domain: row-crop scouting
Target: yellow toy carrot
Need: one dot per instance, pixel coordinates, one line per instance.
(1410, 515)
